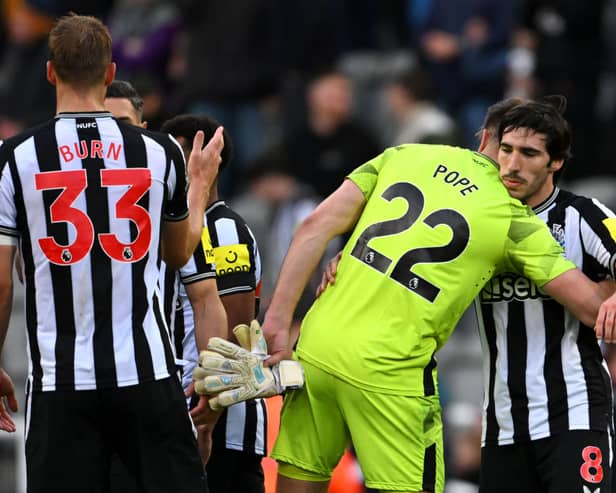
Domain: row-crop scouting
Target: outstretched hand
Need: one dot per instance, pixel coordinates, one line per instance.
(7, 397)
(203, 162)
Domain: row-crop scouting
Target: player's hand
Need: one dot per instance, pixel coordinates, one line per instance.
(7, 398)
(276, 333)
(329, 274)
(605, 326)
(233, 374)
(204, 161)
(202, 414)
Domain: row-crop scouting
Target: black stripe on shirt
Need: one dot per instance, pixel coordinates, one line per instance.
(492, 428)
(250, 425)
(428, 377)
(516, 361)
(46, 148)
(136, 156)
(28, 261)
(100, 263)
(554, 331)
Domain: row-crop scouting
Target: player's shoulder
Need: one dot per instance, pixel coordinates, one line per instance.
(585, 205)
(9, 145)
(221, 210)
(221, 218)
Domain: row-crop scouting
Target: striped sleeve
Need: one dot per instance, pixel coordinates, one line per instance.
(598, 232)
(234, 257)
(8, 212)
(176, 206)
(199, 267)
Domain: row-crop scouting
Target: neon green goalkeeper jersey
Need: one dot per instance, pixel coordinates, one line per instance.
(438, 224)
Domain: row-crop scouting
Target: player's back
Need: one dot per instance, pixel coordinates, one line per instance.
(90, 194)
(436, 226)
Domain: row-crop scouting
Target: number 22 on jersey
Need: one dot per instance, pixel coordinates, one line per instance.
(402, 272)
(73, 183)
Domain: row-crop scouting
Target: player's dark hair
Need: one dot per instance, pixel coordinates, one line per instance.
(495, 114)
(188, 125)
(545, 117)
(124, 90)
(80, 49)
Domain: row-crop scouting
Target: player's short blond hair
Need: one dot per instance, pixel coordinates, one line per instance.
(80, 49)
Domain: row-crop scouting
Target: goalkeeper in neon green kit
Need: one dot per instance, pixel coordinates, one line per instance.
(430, 225)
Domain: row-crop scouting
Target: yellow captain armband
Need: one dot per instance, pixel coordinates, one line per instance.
(206, 243)
(232, 259)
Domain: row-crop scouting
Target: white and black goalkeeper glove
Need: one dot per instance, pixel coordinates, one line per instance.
(233, 373)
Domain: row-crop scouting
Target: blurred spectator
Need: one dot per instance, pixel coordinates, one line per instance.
(417, 118)
(230, 71)
(565, 37)
(330, 143)
(464, 45)
(26, 98)
(285, 202)
(57, 8)
(143, 32)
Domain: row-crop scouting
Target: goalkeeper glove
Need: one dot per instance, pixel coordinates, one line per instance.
(235, 373)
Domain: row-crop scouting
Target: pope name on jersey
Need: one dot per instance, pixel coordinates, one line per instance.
(545, 373)
(81, 193)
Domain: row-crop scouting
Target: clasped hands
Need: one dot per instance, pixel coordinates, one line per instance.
(229, 373)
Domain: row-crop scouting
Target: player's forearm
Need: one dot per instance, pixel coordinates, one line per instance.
(212, 323)
(6, 303)
(578, 294)
(304, 254)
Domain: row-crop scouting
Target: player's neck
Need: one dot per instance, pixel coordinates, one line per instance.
(541, 195)
(70, 100)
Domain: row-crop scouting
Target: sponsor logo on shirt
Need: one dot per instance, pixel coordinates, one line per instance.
(230, 259)
(508, 287)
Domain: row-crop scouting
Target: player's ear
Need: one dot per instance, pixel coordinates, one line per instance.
(143, 124)
(110, 73)
(485, 139)
(555, 165)
(51, 73)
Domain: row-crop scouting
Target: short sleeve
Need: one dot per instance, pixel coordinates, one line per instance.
(200, 266)
(8, 212)
(176, 205)
(532, 251)
(366, 175)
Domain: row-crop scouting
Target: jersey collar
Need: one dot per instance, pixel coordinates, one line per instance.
(547, 202)
(87, 114)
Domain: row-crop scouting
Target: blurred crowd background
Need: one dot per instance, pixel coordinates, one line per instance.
(309, 89)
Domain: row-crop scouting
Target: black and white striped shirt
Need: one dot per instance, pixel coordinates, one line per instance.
(199, 267)
(86, 194)
(243, 426)
(545, 372)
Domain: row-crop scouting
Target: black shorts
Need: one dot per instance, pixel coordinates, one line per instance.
(72, 436)
(564, 463)
(232, 471)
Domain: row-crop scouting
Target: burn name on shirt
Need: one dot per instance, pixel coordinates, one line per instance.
(90, 149)
(453, 178)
